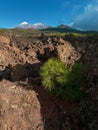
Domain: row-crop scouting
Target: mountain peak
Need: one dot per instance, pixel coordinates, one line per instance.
(23, 23)
(63, 26)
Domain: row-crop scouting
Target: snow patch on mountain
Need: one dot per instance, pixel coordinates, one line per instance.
(23, 23)
(40, 26)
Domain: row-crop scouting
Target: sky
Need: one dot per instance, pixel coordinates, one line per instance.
(80, 14)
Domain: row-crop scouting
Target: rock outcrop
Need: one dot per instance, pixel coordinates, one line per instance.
(20, 60)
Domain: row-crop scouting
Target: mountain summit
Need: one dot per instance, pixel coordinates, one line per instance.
(26, 25)
(63, 26)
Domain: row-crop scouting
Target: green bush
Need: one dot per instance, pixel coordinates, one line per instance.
(76, 75)
(58, 78)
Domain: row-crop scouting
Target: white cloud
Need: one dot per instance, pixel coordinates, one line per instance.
(88, 20)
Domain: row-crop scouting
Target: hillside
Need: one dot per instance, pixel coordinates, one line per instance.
(67, 29)
(24, 103)
(20, 31)
(62, 29)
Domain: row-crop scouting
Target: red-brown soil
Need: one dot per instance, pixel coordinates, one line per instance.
(24, 107)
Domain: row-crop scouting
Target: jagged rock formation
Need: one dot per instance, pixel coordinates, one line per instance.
(20, 50)
(20, 60)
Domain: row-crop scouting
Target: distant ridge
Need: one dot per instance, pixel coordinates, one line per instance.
(62, 28)
(26, 25)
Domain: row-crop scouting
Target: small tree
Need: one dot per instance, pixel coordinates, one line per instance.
(76, 75)
(59, 78)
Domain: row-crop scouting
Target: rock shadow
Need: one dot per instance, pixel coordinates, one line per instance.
(46, 54)
(19, 71)
(56, 113)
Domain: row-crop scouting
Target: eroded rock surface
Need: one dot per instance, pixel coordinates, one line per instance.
(22, 106)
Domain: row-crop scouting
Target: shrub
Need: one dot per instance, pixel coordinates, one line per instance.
(76, 75)
(54, 72)
(58, 78)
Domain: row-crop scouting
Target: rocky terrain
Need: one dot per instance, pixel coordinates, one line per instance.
(24, 104)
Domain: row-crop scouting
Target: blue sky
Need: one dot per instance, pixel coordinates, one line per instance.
(82, 14)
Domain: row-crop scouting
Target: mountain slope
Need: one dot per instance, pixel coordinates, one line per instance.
(40, 26)
(62, 28)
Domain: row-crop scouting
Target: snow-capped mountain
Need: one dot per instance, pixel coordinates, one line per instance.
(26, 25)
